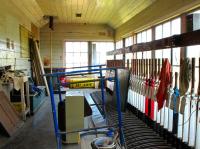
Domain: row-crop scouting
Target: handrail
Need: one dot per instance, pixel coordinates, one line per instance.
(90, 66)
(78, 71)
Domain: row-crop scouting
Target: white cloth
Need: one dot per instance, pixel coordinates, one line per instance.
(10, 77)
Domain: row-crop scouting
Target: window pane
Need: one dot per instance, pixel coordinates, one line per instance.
(158, 54)
(167, 53)
(158, 32)
(119, 44)
(84, 57)
(147, 55)
(149, 35)
(69, 47)
(193, 51)
(128, 41)
(99, 55)
(84, 47)
(196, 21)
(77, 58)
(139, 38)
(69, 58)
(110, 57)
(166, 30)
(134, 39)
(144, 36)
(176, 26)
(176, 56)
(139, 55)
(119, 57)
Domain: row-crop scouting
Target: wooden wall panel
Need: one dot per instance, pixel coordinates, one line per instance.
(10, 20)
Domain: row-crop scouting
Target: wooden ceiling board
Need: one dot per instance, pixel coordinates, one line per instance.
(128, 11)
(30, 9)
(104, 14)
(112, 12)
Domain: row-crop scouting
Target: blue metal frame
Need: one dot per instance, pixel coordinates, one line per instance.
(90, 66)
(58, 74)
(58, 86)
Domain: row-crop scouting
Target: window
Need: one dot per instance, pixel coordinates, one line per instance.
(134, 39)
(119, 44)
(176, 26)
(128, 41)
(193, 21)
(129, 56)
(76, 54)
(194, 52)
(147, 55)
(149, 35)
(99, 52)
(139, 37)
(144, 36)
(158, 32)
(119, 57)
(166, 29)
(139, 55)
(110, 57)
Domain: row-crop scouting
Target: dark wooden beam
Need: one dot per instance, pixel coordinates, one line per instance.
(182, 40)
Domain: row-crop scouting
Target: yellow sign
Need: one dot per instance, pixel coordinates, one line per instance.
(82, 85)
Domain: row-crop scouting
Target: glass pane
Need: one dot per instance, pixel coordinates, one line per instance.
(167, 53)
(77, 58)
(139, 38)
(148, 54)
(176, 56)
(134, 39)
(119, 57)
(149, 35)
(193, 51)
(69, 65)
(166, 30)
(128, 41)
(144, 36)
(176, 26)
(196, 20)
(69, 57)
(158, 54)
(69, 47)
(129, 56)
(84, 58)
(76, 46)
(139, 55)
(84, 47)
(158, 32)
(111, 46)
(110, 57)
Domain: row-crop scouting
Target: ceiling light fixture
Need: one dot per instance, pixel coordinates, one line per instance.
(78, 15)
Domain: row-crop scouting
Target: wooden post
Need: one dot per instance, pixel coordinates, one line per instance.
(42, 68)
(51, 51)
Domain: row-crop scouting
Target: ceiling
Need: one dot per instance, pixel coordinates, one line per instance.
(111, 12)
